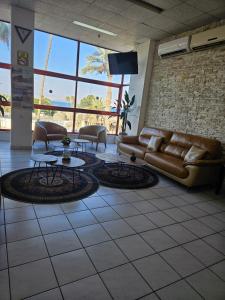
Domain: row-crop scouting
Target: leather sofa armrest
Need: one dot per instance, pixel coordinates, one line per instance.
(213, 162)
(129, 139)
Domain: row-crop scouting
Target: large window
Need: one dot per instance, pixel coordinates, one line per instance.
(72, 84)
(54, 53)
(5, 78)
(96, 97)
(53, 91)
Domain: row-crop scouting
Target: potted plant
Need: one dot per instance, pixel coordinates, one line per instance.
(2, 101)
(66, 141)
(125, 107)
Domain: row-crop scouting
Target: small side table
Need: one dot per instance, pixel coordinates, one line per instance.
(81, 142)
(39, 159)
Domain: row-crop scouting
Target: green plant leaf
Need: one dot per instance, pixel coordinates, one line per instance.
(132, 100)
(122, 115)
(2, 111)
(126, 97)
(129, 124)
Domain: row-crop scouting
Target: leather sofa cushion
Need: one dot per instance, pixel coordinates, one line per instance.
(213, 147)
(138, 150)
(55, 137)
(146, 134)
(175, 150)
(154, 143)
(195, 153)
(167, 163)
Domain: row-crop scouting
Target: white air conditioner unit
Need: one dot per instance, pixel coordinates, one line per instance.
(208, 38)
(174, 47)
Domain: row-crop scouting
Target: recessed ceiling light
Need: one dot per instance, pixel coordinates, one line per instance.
(94, 28)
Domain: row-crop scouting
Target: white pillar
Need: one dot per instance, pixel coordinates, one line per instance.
(21, 79)
(139, 86)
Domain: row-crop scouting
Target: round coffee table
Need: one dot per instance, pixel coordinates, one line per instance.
(60, 147)
(73, 164)
(39, 159)
(111, 157)
(122, 160)
(81, 142)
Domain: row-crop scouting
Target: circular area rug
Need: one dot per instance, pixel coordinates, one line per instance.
(17, 185)
(125, 176)
(90, 159)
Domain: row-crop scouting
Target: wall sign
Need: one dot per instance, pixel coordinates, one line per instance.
(22, 58)
(23, 33)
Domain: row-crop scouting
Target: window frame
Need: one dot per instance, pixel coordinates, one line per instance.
(76, 79)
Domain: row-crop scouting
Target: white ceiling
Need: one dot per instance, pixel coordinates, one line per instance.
(132, 23)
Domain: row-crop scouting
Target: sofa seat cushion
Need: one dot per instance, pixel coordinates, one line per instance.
(138, 150)
(167, 163)
(89, 137)
(55, 136)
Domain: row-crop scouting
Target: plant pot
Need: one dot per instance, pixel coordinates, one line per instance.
(133, 157)
(66, 143)
(122, 133)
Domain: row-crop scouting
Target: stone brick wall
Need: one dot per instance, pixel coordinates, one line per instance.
(187, 92)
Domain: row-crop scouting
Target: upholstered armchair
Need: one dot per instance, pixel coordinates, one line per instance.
(94, 133)
(48, 131)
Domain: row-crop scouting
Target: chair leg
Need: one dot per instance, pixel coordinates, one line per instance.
(33, 142)
(97, 146)
(46, 145)
(105, 145)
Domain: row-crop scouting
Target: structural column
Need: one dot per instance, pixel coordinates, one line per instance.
(139, 86)
(22, 46)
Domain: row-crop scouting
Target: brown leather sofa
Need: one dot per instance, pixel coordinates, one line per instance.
(169, 159)
(94, 133)
(48, 131)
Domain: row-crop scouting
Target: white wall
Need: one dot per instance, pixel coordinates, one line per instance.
(21, 133)
(139, 86)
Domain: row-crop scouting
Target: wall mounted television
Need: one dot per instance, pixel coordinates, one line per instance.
(123, 63)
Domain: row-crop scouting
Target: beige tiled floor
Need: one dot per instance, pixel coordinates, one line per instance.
(157, 243)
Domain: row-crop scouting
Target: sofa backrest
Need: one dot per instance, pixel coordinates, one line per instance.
(180, 143)
(146, 134)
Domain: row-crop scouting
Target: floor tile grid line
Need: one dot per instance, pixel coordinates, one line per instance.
(130, 260)
(143, 297)
(7, 255)
(143, 231)
(193, 218)
(177, 222)
(161, 227)
(212, 245)
(157, 227)
(179, 207)
(49, 257)
(91, 262)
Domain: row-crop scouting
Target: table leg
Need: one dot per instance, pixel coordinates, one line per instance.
(32, 172)
(46, 167)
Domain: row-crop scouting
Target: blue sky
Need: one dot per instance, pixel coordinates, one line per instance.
(62, 60)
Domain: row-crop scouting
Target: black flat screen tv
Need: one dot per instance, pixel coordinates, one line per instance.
(123, 63)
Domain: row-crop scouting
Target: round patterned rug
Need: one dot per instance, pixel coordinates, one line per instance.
(91, 161)
(21, 186)
(125, 176)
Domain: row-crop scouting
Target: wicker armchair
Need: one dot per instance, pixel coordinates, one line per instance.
(48, 131)
(94, 133)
